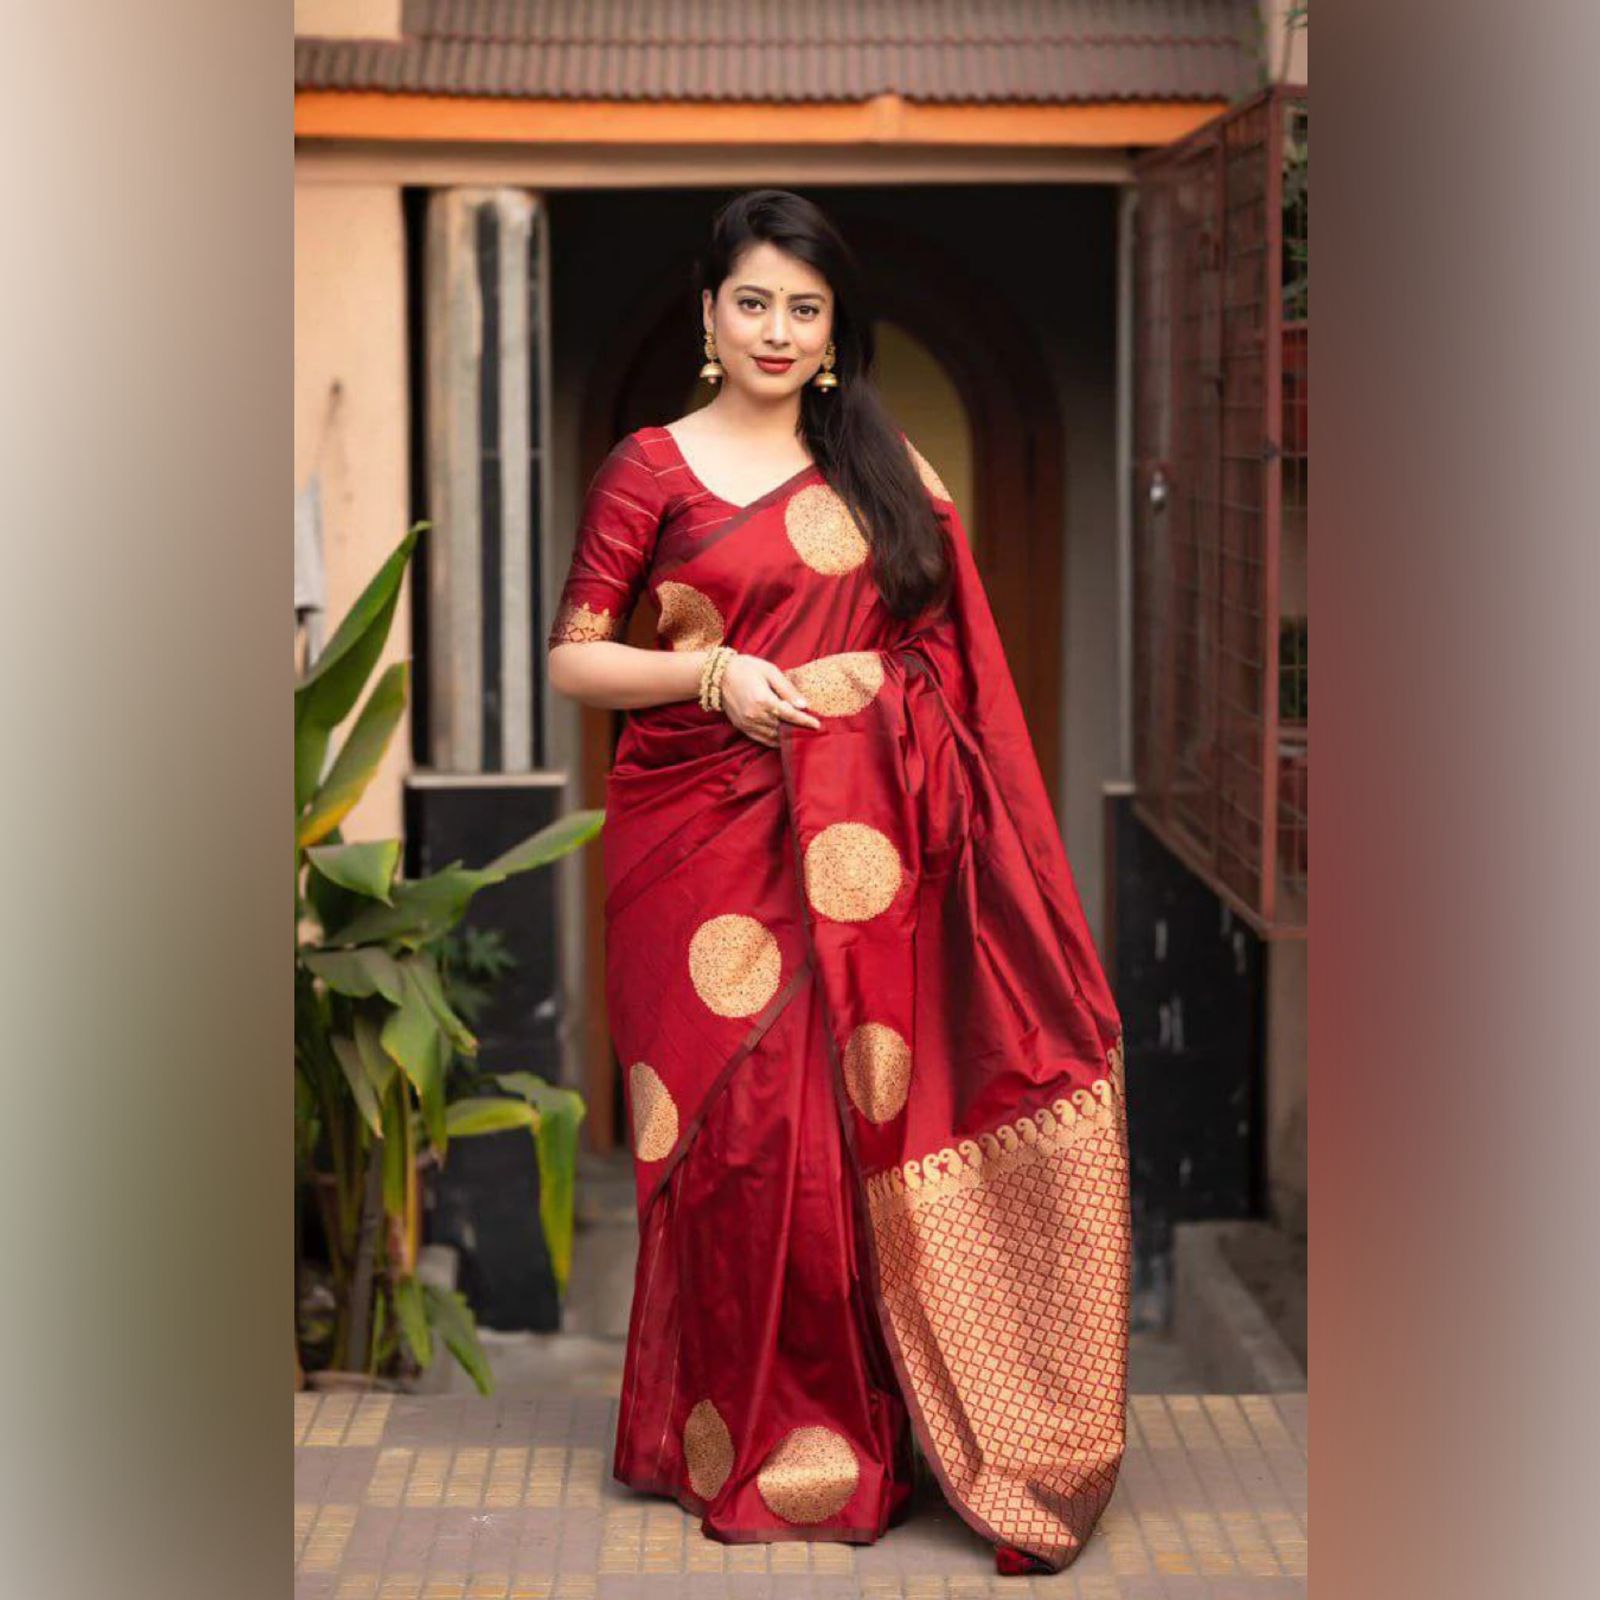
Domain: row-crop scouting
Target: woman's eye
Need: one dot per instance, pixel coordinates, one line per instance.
(748, 304)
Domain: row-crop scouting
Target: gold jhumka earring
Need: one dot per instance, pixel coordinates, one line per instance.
(713, 371)
(826, 379)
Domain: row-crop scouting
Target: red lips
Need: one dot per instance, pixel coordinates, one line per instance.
(774, 363)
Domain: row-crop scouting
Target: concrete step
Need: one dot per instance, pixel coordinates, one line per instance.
(1226, 1335)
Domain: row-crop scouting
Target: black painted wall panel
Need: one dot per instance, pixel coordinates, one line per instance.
(1189, 981)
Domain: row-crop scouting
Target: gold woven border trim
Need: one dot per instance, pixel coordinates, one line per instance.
(577, 622)
(974, 1162)
(1004, 1266)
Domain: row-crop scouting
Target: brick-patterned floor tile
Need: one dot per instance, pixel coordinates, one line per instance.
(452, 1497)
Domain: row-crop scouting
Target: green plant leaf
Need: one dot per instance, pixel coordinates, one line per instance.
(328, 692)
(472, 961)
(366, 868)
(357, 973)
(396, 1109)
(412, 1313)
(333, 684)
(355, 1074)
(423, 971)
(488, 1114)
(450, 1315)
(422, 910)
(413, 1037)
(379, 1064)
(358, 756)
(560, 1111)
(425, 909)
(331, 905)
(550, 843)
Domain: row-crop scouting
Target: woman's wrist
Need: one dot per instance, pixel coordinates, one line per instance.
(709, 685)
(708, 669)
(700, 660)
(714, 679)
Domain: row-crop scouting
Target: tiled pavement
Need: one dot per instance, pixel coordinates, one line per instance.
(459, 1497)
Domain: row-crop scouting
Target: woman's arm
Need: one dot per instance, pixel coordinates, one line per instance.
(587, 660)
(756, 694)
(618, 677)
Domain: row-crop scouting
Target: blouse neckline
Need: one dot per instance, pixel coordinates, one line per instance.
(733, 505)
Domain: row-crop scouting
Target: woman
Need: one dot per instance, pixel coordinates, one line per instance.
(873, 1068)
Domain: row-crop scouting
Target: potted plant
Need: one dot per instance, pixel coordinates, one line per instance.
(375, 1028)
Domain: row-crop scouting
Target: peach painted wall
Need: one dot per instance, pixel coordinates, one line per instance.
(349, 328)
(347, 19)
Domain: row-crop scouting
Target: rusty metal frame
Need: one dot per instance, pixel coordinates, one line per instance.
(1211, 764)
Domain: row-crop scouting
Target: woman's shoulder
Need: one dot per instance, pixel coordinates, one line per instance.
(655, 450)
(648, 440)
(634, 446)
(632, 473)
(648, 448)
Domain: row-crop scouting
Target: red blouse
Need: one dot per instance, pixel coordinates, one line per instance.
(641, 490)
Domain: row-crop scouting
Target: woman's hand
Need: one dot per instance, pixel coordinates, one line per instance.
(757, 697)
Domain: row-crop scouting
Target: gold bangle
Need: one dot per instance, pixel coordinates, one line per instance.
(709, 672)
(704, 682)
(727, 654)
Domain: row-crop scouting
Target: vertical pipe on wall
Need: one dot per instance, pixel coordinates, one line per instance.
(548, 572)
(1273, 115)
(517, 547)
(455, 599)
(1127, 205)
(492, 532)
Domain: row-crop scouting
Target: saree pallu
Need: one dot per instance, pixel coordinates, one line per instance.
(872, 1065)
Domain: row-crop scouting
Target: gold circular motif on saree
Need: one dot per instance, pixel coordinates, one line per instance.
(852, 871)
(689, 619)
(655, 1113)
(839, 685)
(707, 1449)
(877, 1070)
(734, 964)
(823, 532)
(930, 478)
(810, 1475)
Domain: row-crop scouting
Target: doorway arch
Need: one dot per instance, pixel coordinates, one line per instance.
(1011, 494)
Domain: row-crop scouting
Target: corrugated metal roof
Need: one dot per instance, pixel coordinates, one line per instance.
(780, 50)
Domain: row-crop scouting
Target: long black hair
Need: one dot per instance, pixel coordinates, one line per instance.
(847, 430)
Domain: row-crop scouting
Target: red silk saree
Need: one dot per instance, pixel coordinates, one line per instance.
(873, 1069)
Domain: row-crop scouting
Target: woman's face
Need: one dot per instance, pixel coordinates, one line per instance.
(770, 306)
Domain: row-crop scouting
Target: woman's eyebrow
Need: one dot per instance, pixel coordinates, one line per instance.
(804, 294)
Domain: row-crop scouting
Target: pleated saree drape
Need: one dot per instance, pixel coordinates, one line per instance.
(873, 1068)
